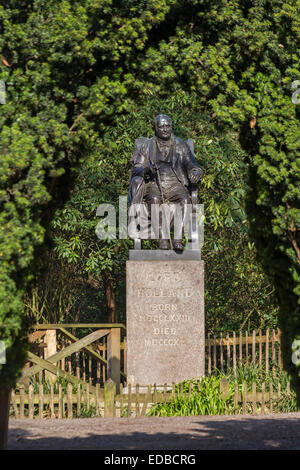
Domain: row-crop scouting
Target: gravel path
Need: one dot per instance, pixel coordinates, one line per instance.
(276, 431)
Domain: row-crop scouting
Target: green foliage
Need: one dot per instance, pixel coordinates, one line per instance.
(249, 373)
(63, 68)
(202, 397)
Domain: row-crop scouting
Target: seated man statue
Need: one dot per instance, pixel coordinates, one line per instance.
(164, 170)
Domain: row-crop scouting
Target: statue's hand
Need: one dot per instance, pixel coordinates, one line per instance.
(195, 175)
(149, 172)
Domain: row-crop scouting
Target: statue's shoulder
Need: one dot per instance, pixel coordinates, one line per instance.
(184, 144)
(140, 145)
(179, 142)
(141, 142)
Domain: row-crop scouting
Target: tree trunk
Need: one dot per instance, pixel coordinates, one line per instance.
(110, 296)
(4, 413)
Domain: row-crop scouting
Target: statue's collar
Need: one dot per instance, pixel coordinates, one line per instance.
(164, 143)
(153, 148)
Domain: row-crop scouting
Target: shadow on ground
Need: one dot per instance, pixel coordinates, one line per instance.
(179, 433)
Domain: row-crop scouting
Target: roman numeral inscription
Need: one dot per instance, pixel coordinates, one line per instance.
(165, 321)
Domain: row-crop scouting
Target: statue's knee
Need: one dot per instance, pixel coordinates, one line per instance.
(135, 182)
(155, 200)
(185, 200)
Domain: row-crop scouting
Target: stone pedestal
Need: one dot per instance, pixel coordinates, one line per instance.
(165, 321)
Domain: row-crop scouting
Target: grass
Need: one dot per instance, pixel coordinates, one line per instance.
(205, 398)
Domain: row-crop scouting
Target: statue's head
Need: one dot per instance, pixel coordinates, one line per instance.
(162, 125)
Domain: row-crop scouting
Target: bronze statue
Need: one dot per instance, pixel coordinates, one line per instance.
(164, 171)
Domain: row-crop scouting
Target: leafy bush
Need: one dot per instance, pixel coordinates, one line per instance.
(205, 397)
(249, 373)
(63, 64)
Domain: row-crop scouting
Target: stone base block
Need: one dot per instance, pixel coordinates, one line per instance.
(165, 321)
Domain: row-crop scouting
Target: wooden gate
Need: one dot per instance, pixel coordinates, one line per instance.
(92, 359)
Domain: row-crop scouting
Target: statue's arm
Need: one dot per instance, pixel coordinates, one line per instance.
(194, 170)
(139, 158)
(141, 165)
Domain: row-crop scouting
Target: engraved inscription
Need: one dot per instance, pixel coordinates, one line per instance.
(164, 342)
(164, 331)
(163, 307)
(164, 276)
(164, 318)
(148, 292)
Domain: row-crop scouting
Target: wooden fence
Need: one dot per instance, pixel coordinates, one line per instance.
(93, 363)
(93, 369)
(255, 400)
(224, 352)
(86, 400)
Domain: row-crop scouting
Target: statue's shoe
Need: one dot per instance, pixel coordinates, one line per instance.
(164, 244)
(177, 245)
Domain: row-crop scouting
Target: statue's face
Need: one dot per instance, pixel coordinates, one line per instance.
(163, 128)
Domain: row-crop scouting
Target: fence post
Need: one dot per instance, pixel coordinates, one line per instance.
(41, 400)
(129, 400)
(234, 353)
(22, 401)
(14, 402)
(125, 355)
(224, 388)
(109, 399)
(113, 356)
(209, 354)
(215, 353)
(221, 352)
(267, 351)
(279, 349)
(260, 348)
(228, 351)
(241, 348)
(253, 346)
(30, 401)
(50, 350)
(69, 400)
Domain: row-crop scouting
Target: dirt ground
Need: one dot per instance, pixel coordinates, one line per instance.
(276, 431)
